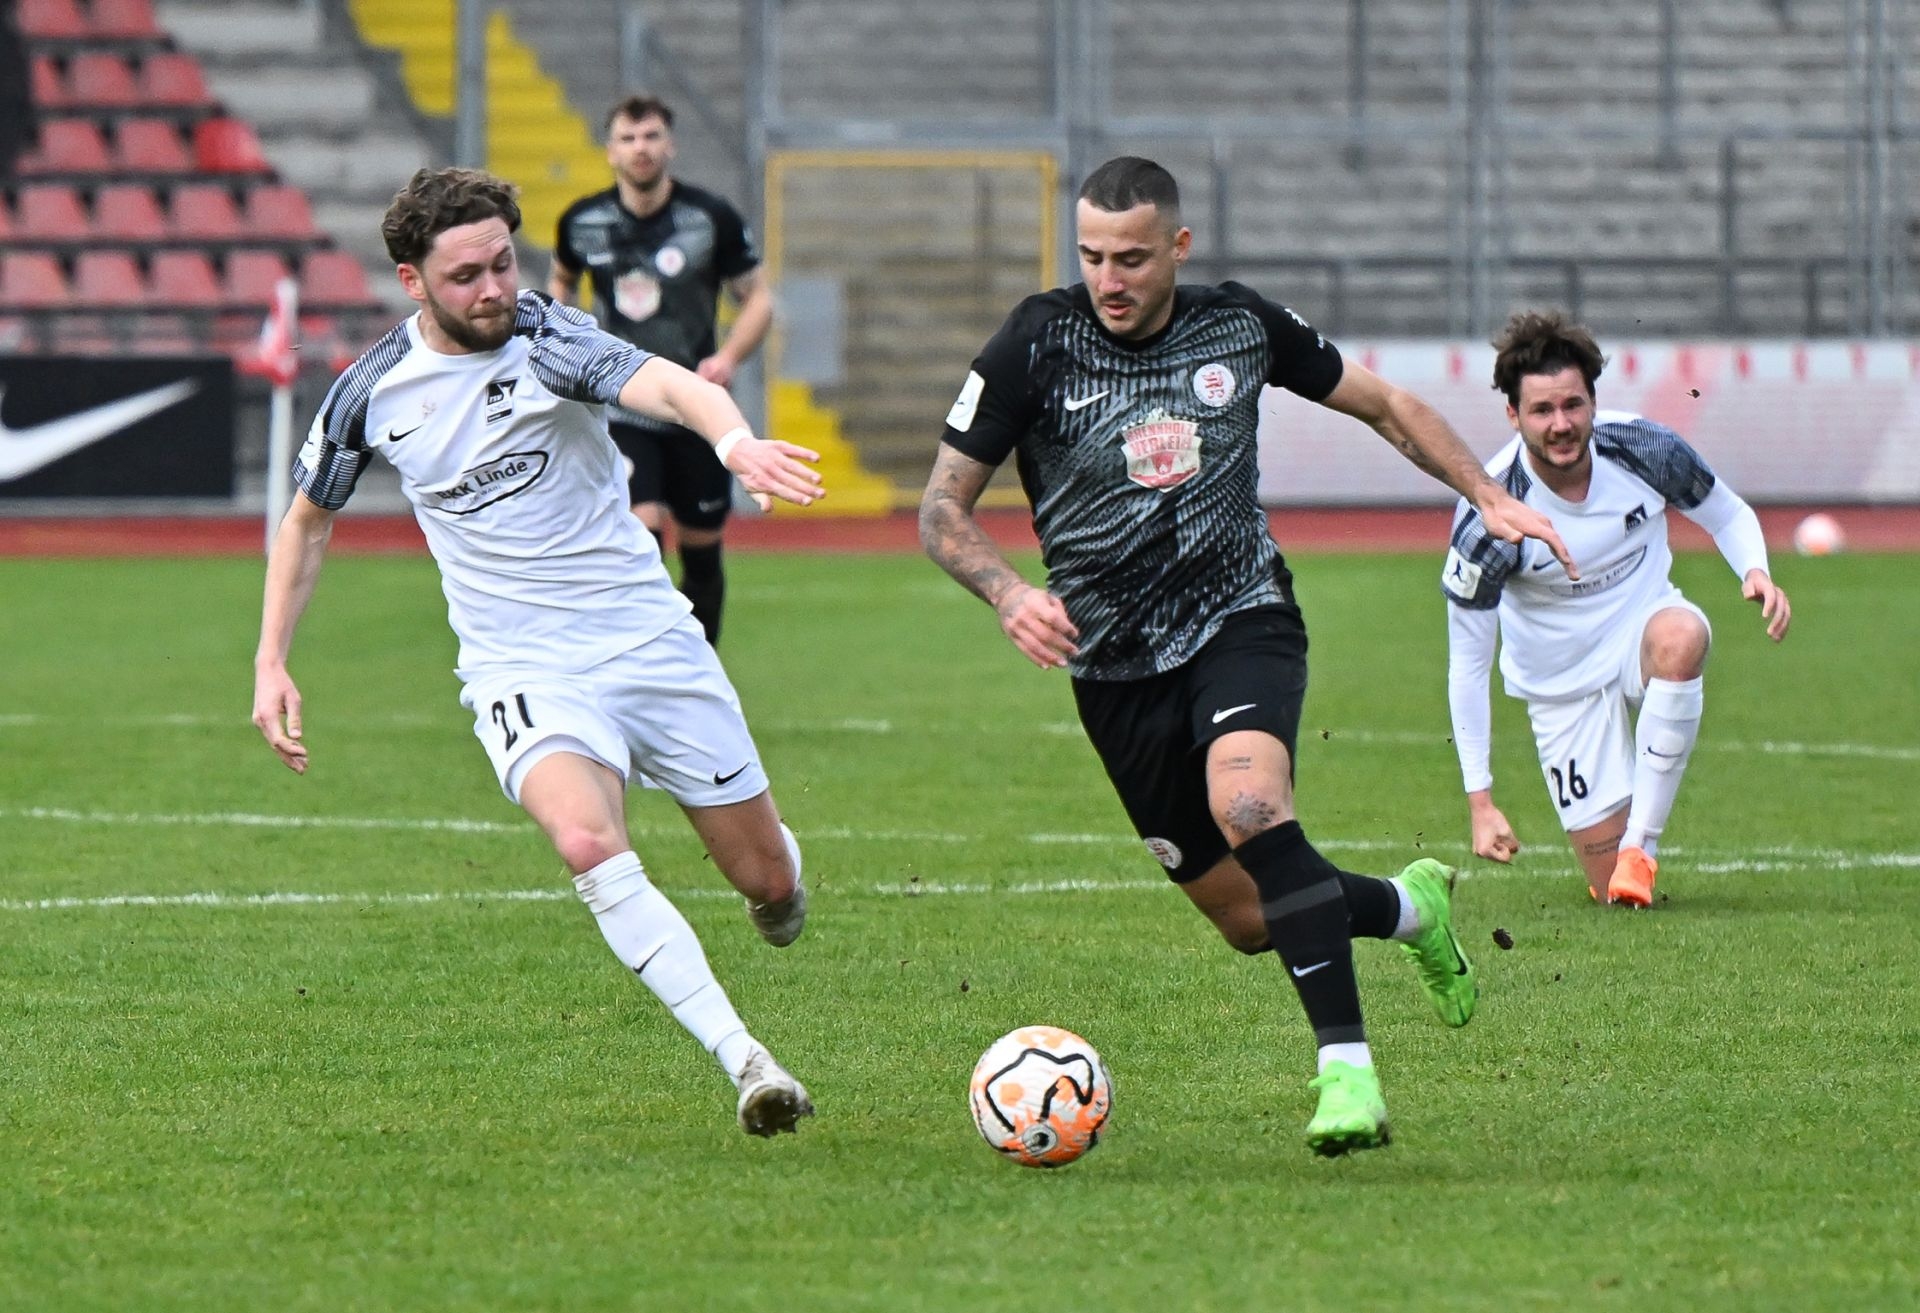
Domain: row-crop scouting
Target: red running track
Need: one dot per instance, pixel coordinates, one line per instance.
(1868, 528)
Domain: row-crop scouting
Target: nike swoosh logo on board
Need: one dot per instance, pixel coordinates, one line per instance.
(22, 451)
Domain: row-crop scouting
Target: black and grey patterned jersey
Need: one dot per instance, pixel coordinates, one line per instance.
(1139, 459)
(656, 281)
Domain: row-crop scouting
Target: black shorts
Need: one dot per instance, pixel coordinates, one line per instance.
(1152, 734)
(676, 466)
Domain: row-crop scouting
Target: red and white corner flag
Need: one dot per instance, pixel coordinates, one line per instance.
(276, 357)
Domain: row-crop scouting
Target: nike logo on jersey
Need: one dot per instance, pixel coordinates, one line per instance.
(1307, 971)
(1072, 404)
(395, 437)
(22, 451)
(1541, 565)
(1219, 716)
(718, 778)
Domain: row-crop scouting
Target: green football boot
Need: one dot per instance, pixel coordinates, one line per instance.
(1351, 1115)
(1445, 973)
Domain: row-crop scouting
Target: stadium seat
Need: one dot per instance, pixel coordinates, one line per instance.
(56, 20)
(276, 210)
(251, 276)
(49, 211)
(125, 20)
(6, 219)
(31, 280)
(150, 146)
(205, 210)
(48, 84)
(223, 145)
(182, 278)
(128, 212)
(108, 278)
(66, 146)
(333, 278)
(172, 79)
(97, 78)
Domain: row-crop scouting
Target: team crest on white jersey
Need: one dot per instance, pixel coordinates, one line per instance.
(1214, 384)
(483, 485)
(500, 398)
(1163, 451)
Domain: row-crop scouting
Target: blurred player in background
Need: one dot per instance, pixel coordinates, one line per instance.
(580, 663)
(1585, 653)
(658, 251)
(1131, 404)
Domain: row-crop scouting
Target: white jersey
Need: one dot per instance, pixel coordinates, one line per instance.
(1561, 638)
(513, 479)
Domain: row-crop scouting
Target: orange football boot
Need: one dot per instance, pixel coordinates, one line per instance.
(1632, 881)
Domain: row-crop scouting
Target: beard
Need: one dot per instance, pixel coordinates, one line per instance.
(490, 335)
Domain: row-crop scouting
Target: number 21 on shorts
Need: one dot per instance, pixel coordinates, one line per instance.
(504, 719)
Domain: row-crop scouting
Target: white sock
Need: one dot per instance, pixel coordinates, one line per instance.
(1354, 1055)
(648, 934)
(1663, 740)
(1407, 928)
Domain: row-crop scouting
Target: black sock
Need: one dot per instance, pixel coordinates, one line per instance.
(1373, 905)
(1305, 906)
(704, 582)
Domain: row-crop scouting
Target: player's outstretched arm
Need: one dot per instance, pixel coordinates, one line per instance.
(766, 469)
(293, 567)
(1419, 433)
(1034, 620)
(1759, 587)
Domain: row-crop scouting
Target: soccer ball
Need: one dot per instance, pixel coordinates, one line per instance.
(1819, 535)
(1040, 1096)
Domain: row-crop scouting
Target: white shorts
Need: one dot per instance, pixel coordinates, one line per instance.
(1586, 743)
(665, 711)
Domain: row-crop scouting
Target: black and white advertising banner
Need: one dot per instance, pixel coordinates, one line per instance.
(76, 426)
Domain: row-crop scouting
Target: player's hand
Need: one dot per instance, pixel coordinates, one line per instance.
(1509, 518)
(276, 713)
(1493, 838)
(1036, 622)
(716, 369)
(770, 469)
(1759, 587)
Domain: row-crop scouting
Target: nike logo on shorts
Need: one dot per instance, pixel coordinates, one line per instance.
(1219, 716)
(718, 778)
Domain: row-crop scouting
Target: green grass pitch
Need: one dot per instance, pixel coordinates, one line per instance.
(347, 1042)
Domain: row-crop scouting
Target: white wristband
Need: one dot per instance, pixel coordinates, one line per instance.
(728, 441)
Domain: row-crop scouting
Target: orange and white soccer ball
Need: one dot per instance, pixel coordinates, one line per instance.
(1040, 1095)
(1819, 535)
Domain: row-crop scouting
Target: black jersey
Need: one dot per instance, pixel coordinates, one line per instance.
(656, 281)
(1139, 459)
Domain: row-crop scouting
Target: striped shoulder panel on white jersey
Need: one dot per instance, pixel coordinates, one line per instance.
(1654, 454)
(336, 451)
(571, 355)
(1478, 563)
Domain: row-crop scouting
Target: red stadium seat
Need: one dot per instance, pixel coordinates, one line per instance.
(173, 79)
(94, 78)
(182, 278)
(49, 211)
(67, 146)
(251, 276)
(49, 85)
(52, 19)
(31, 280)
(333, 278)
(108, 278)
(222, 145)
(205, 210)
(276, 210)
(125, 19)
(150, 146)
(128, 212)
(6, 219)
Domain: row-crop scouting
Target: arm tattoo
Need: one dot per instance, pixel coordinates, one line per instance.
(954, 539)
